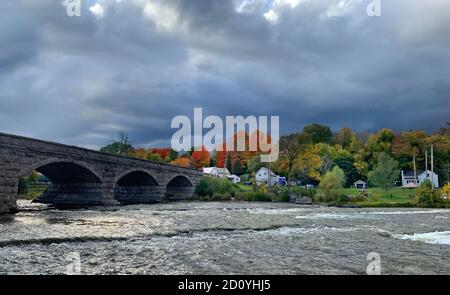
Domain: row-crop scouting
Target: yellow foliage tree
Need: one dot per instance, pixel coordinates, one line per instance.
(309, 163)
(446, 190)
(182, 161)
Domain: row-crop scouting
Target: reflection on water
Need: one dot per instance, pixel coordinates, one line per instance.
(224, 238)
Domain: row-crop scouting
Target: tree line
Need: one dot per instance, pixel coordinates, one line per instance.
(308, 155)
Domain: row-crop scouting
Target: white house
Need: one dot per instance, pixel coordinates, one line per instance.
(221, 173)
(262, 176)
(408, 179)
(217, 172)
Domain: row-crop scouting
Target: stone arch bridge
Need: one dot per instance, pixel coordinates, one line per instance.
(81, 176)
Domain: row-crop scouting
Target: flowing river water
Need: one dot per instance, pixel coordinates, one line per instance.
(224, 238)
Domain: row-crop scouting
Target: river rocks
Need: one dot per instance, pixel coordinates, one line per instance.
(384, 233)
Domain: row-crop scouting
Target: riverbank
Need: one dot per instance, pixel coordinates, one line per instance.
(214, 189)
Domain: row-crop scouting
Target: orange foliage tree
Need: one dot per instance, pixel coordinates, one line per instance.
(201, 158)
(182, 161)
(221, 156)
(163, 152)
(239, 160)
(140, 153)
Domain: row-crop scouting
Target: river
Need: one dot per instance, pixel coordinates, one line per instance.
(224, 238)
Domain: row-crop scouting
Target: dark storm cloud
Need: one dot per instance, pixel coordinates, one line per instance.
(132, 65)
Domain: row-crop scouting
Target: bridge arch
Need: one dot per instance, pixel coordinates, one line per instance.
(179, 188)
(136, 175)
(50, 169)
(72, 181)
(180, 180)
(137, 186)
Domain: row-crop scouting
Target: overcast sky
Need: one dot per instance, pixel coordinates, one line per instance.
(131, 65)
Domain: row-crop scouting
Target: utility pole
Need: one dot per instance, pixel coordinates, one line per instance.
(432, 168)
(426, 164)
(415, 171)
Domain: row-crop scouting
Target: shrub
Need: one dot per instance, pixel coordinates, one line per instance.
(301, 191)
(262, 197)
(334, 196)
(219, 189)
(332, 180)
(308, 192)
(240, 196)
(220, 197)
(426, 196)
(210, 186)
(254, 197)
(446, 191)
(280, 197)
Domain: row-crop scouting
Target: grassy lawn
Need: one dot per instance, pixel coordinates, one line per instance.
(396, 197)
(245, 188)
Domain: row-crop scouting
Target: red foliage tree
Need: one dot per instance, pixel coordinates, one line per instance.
(201, 158)
(163, 152)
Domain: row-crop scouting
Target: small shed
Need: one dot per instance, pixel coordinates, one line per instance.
(359, 184)
(234, 178)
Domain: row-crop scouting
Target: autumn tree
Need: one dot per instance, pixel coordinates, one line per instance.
(290, 149)
(163, 152)
(255, 164)
(238, 161)
(327, 154)
(200, 158)
(308, 165)
(407, 148)
(172, 155)
(139, 153)
(183, 161)
(332, 180)
(154, 157)
(344, 137)
(221, 156)
(385, 173)
(445, 130)
(122, 146)
(347, 164)
(381, 141)
(441, 142)
(318, 133)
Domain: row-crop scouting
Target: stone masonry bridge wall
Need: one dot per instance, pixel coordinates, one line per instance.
(85, 177)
